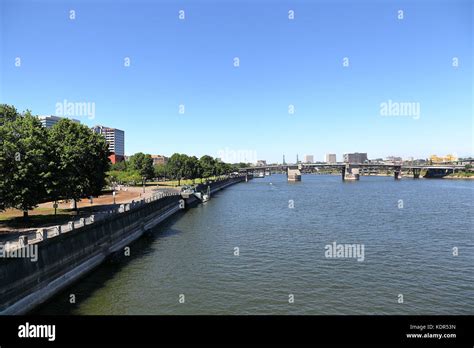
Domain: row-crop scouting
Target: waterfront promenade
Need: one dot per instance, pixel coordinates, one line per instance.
(64, 255)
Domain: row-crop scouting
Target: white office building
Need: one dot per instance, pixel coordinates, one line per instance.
(114, 137)
(49, 121)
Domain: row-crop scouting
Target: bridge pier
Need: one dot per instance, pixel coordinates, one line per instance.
(293, 174)
(343, 173)
(355, 172)
(416, 173)
(397, 173)
(352, 172)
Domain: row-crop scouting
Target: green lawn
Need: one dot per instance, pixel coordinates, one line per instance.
(39, 217)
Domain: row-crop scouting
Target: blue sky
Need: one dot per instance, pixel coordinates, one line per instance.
(282, 62)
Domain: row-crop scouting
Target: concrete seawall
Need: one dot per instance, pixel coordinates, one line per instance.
(67, 257)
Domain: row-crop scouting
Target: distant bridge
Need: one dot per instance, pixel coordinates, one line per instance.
(351, 171)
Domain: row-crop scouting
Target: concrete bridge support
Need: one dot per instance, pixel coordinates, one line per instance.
(397, 173)
(294, 175)
(355, 173)
(416, 173)
(351, 172)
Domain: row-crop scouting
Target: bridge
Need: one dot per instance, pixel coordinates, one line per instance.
(352, 171)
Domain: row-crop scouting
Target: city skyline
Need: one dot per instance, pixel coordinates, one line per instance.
(228, 156)
(332, 78)
(49, 121)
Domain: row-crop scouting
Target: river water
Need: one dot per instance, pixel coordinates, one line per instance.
(409, 230)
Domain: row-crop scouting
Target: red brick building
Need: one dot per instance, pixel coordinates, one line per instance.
(116, 158)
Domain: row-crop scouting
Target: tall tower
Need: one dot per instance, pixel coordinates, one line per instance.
(297, 160)
(283, 159)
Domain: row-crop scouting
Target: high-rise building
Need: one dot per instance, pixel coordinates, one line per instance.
(49, 121)
(309, 159)
(261, 163)
(330, 158)
(355, 157)
(115, 138)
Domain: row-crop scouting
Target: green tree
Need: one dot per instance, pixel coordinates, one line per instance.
(81, 161)
(176, 167)
(224, 168)
(121, 166)
(8, 113)
(192, 169)
(161, 171)
(24, 164)
(123, 177)
(130, 176)
(242, 165)
(208, 166)
(143, 164)
(97, 163)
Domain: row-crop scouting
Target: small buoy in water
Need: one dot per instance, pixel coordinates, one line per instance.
(271, 184)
